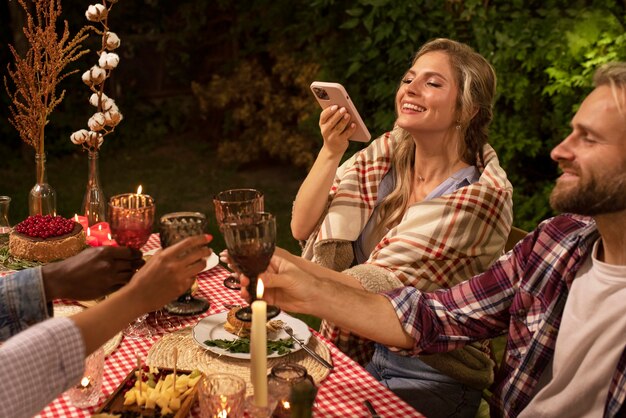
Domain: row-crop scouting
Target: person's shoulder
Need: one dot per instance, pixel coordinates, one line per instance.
(567, 222)
(559, 227)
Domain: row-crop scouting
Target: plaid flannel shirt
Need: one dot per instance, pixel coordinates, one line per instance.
(524, 292)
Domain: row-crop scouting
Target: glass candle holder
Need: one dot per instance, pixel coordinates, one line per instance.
(281, 379)
(222, 395)
(131, 217)
(87, 392)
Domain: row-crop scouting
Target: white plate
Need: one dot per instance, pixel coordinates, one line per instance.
(212, 328)
(211, 262)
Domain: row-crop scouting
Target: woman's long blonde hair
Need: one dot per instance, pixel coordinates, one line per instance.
(476, 80)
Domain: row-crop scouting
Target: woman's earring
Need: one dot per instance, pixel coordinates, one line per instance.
(458, 126)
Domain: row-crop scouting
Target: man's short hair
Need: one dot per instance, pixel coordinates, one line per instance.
(614, 75)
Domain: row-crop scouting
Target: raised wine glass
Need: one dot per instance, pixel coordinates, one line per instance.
(175, 227)
(251, 241)
(232, 204)
(131, 217)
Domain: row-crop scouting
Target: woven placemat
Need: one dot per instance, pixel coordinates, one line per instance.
(69, 310)
(191, 356)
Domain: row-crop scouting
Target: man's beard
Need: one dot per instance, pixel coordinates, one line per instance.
(595, 196)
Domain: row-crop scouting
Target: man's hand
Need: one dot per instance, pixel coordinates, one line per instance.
(286, 286)
(92, 273)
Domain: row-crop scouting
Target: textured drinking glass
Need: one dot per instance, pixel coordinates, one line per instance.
(131, 216)
(235, 203)
(232, 204)
(222, 395)
(251, 241)
(173, 228)
(87, 392)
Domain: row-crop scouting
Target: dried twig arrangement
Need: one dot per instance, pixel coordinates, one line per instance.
(37, 75)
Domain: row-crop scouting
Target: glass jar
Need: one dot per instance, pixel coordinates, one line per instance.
(282, 378)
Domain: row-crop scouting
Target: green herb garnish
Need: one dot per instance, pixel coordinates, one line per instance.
(242, 345)
(12, 263)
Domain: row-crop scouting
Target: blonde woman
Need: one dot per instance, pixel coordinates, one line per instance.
(425, 205)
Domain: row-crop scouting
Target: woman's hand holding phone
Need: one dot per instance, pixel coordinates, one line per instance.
(334, 95)
(336, 128)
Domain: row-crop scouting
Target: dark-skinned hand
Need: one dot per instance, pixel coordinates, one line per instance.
(95, 272)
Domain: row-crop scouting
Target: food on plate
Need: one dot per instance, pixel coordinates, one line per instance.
(242, 345)
(242, 328)
(46, 238)
(158, 394)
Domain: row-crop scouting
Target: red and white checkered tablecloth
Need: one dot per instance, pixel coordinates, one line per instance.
(341, 394)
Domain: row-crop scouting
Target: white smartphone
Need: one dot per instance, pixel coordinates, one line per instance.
(328, 94)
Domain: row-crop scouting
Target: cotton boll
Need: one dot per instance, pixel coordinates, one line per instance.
(108, 60)
(96, 122)
(94, 76)
(112, 41)
(79, 137)
(96, 12)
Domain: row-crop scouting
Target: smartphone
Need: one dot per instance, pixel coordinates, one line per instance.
(328, 94)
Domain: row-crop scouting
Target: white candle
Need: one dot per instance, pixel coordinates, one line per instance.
(258, 348)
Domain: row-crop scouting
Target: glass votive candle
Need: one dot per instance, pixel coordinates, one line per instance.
(131, 216)
(281, 379)
(87, 392)
(222, 396)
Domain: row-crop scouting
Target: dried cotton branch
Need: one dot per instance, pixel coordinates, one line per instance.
(107, 115)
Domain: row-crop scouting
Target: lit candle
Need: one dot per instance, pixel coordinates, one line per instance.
(82, 220)
(85, 383)
(101, 230)
(137, 196)
(258, 348)
(110, 242)
(91, 240)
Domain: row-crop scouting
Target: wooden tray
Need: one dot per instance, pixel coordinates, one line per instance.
(115, 403)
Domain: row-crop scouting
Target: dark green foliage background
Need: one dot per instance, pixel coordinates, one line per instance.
(544, 53)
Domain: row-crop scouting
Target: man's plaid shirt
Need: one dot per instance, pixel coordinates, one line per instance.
(523, 293)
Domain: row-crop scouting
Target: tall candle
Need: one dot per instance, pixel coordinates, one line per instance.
(258, 348)
(139, 189)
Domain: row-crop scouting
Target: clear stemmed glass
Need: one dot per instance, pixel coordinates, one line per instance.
(251, 241)
(232, 204)
(131, 217)
(175, 227)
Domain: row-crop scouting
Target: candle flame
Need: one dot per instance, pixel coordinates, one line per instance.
(84, 382)
(109, 236)
(76, 217)
(139, 189)
(99, 227)
(88, 231)
(259, 289)
(286, 405)
(222, 414)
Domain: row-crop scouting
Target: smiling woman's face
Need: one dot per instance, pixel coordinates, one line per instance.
(426, 100)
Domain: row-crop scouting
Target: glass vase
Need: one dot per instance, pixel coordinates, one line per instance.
(42, 199)
(94, 202)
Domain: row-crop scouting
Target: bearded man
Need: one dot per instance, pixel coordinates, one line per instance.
(559, 294)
